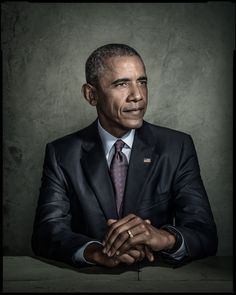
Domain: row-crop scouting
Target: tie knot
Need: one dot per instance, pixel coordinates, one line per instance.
(119, 144)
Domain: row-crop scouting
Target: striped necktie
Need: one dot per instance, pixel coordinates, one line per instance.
(118, 170)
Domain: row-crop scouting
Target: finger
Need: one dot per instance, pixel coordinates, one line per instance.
(142, 255)
(118, 224)
(120, 240)
(112, 263)
(139, 239)
(111, 221)
(149, 253)
(109, 262)
(141, 249)
(136, 254)
(119, 233)
(117, 241)
(126, 258)
(147, 221)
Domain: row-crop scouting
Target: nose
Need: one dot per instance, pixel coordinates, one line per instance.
(135, 93)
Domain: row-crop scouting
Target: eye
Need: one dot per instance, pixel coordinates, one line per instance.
(142, 82)
(122, 84)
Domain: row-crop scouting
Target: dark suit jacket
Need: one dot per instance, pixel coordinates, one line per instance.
(77, 197)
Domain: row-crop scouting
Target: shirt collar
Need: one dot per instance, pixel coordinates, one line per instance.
(108, 140)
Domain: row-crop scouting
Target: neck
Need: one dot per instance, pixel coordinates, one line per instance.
(116, 132)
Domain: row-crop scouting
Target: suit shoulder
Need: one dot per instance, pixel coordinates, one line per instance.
(66, 139)
(72, 140)
(168, 140)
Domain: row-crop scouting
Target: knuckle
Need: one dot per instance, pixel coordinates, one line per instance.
(124, 248)
(146, 233)
(122, 236)
(142, 226)
(117, 231)
(108, 245)
(138, 255)
(131, 215)
(113, 226)
(138, 219)
(113, 248)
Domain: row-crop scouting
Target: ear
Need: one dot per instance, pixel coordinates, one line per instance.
(89, 92)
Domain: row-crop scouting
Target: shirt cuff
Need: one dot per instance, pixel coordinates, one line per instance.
(79, 254)
(181, 252)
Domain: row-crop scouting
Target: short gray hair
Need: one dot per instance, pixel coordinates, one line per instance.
(95, 62)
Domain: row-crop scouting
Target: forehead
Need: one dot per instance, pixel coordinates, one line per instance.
(120, 65)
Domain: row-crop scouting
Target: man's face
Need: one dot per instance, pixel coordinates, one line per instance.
(122, 94)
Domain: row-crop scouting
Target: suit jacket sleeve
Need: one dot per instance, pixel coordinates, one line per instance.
(193, 215)
(52, 235)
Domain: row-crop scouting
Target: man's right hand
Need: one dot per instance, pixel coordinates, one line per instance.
(93, 253)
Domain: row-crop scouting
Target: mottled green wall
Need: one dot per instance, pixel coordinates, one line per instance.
(188, 50)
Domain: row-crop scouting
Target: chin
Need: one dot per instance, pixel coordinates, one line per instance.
(134, 124)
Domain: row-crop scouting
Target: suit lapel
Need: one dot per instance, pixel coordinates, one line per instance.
(142, 162)
(95, 167)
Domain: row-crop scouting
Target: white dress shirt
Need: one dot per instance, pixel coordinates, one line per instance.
(109, 140)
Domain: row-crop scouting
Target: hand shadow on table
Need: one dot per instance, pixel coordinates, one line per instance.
(93, 269)
(97, 269)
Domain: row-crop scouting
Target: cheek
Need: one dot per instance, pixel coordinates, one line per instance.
(116, 110)
(115, 106)
(105, 104)
(112, 103)
(111, 109)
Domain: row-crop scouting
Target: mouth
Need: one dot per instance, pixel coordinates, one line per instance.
(134, 110)
(134, 113)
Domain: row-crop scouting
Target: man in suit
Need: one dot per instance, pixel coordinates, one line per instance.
(122, 189)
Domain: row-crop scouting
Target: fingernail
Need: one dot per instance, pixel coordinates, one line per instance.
(104, 251)
(109, 253)
(117, 253)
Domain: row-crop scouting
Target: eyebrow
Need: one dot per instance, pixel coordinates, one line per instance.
(142, 78)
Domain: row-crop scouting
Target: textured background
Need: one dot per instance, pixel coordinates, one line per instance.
(188, 51)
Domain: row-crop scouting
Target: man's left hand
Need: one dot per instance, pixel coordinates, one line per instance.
(132, 231)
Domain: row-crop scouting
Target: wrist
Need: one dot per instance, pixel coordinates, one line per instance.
(171, 240)
(175, 239)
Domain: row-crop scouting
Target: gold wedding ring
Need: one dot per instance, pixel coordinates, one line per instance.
(130, 234)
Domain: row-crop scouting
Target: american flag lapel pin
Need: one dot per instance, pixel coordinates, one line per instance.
(146, 160)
